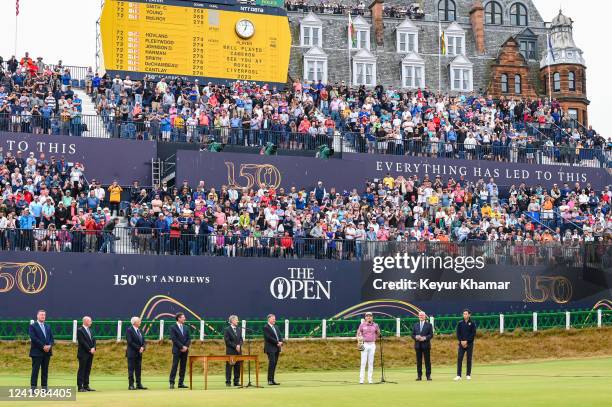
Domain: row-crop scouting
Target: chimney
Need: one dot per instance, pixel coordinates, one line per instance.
(477, 21)
(376, 8)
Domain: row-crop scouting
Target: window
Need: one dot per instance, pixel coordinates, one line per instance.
(454, 45)
(504, 83)
(311, 29)
(461, 74)
(311, 36)
(413, 77)
(362, 34)
(406, 42)
(413, 71)
(364, 74)
(493, 13)
(517, 84)
(556, 82)
(571, 81)
(528, 49)
(573, 113)
(364, 68)
(518, 14)
(407, 37)
(315, 65)
(447, 10)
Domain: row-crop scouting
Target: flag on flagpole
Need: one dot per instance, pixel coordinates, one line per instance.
(352, 33)
(442, 39)
(16, 8)
(551, 54)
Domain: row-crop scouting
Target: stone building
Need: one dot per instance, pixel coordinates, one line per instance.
(492, 46)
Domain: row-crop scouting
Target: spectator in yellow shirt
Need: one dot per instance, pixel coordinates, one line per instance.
(389, 181)
(114, 192)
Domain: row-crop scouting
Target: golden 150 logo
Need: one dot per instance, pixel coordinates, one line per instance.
(544, 288)
(255, 175)
(29, 278)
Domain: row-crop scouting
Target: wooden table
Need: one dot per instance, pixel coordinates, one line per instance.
(222, 358)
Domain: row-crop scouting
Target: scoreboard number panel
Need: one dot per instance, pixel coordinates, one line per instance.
(217, 41)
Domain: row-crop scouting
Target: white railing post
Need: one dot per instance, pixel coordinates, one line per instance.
(567, 320)
(599, 318)
(161, 329)
(324, 329)
(535, 321)
(119, 331)
(243, 329)
(74, 331)
(202, 330)
(286, 329)
(397, 327)
(501, 323)
(432, 322)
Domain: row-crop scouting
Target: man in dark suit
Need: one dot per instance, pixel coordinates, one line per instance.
(41, 339)
(136, 345)
(233, 346)
(85, 354)
(181, 341)
(422, 332)
(273, 345)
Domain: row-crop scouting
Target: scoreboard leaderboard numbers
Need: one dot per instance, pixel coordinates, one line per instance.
(217, 40)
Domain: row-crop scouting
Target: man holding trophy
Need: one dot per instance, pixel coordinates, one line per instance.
(367, 334)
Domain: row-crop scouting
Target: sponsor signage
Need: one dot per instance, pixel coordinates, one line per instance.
(105, 159)
(256, 171)
(120, 286)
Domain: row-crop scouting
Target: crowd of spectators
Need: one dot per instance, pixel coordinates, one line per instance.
(48, 205)
(378, 120)
(400, 10)
(36, 97)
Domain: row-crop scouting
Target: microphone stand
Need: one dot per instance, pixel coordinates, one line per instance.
(248, 341)
(382, 361)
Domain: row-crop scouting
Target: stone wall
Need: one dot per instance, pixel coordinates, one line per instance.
(335, 42)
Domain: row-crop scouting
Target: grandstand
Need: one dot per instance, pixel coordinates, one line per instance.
(469, 178)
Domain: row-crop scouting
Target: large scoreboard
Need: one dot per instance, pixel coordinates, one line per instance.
(213, 40)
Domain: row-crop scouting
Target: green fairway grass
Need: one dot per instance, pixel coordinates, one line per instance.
(575, 383)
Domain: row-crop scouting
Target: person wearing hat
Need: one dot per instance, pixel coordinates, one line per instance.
(368, 332)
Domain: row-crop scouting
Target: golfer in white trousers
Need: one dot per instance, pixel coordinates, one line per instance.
(369, 332)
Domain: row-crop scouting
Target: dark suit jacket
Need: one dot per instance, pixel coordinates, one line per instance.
(134, 343)
(232, 340)
(38, 340)
(85, 342)
(179, 340)
(270, 341)
(427, 332)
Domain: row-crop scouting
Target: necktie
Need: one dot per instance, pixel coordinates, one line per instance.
(234, 328)
(181, 329)
(88, 333)
(421, 326)
(274, 330)
(42, 328)
(139, 335)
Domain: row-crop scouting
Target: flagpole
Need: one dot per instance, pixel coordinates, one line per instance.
(439, 55)
(350, 43)
(16, 27)
(548, 60)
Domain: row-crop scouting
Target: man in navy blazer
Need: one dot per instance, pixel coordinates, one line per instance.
(136, 345)
(41, 339)
(422, 332)
(181, 341)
